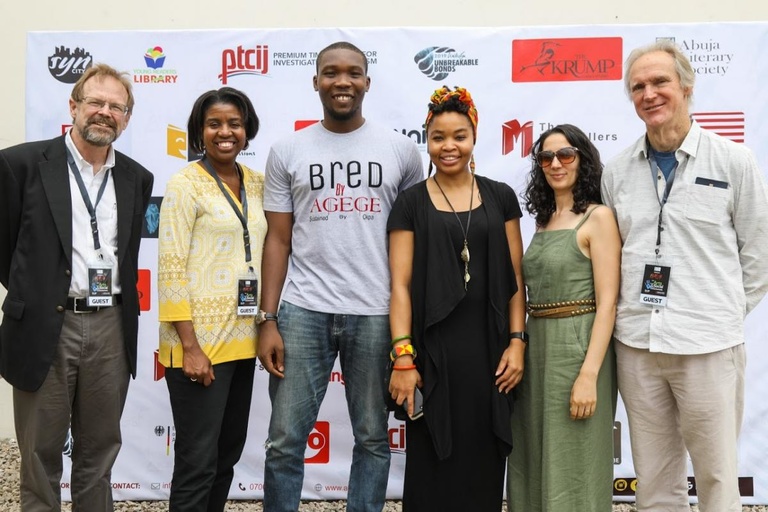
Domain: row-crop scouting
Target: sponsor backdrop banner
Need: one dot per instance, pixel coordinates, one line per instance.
(524, 80)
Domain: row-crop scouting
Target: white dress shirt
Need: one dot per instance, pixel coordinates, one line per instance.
(83, 251)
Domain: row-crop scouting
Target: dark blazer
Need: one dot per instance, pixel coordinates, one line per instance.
(36, 253)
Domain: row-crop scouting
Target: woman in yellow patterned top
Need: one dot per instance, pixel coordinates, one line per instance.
(212, 229)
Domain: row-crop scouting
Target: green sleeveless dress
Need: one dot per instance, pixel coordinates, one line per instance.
(558, 464)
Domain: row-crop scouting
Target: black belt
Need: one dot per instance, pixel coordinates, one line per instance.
(80, 304)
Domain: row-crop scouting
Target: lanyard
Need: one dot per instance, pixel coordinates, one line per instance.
(86, 198)
(667, 189)
(243, 217)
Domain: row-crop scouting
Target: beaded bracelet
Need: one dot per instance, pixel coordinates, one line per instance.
(404, 367)
(402, 350)
(401, 338)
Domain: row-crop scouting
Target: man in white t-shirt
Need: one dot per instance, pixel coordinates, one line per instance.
(328, 192)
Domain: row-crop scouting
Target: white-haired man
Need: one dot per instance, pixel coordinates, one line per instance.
(692, 209)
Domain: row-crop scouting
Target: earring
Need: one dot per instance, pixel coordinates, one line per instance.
(472, 163)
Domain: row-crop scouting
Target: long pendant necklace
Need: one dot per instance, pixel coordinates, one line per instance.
(465, 250)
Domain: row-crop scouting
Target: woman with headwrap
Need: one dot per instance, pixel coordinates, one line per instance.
(457, 318)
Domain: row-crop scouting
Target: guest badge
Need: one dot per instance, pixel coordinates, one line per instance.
(653, 291)
(99, 284)
(247, 295)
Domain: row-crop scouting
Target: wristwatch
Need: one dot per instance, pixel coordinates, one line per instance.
(262, 316)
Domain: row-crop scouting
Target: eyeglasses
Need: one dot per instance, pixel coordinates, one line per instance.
(564, 156)
(116, 109)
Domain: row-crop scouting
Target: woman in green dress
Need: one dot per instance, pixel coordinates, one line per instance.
(562, 426)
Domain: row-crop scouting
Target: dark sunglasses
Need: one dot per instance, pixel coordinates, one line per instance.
(564, 156)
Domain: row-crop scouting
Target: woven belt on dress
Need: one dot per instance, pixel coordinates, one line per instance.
(563, 309)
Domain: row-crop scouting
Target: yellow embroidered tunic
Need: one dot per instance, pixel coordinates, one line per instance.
(201, 256)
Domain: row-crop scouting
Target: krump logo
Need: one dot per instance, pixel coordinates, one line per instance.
(319, 444)
(154, 58)
(244, 61)
(437, 62)
(67, 66)
(730, 125)
(563, 60)
(707, 57)
(514, 133)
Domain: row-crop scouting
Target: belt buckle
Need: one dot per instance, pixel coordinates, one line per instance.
(82, 311)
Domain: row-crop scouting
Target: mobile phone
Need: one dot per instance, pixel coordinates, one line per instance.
(418, 405)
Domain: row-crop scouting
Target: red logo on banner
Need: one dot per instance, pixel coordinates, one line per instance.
(65, 128)
(319, 444)
(301, 124)
(159, 368)
(566, 60)
(244, 61)
(512, 133)
(143, 286)
(726, 124)
(397, 439)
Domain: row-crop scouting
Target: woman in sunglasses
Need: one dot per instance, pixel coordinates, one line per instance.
(562, 425)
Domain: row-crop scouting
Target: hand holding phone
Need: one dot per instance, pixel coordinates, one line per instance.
(418, 405)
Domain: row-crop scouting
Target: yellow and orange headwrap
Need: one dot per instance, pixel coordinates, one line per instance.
(444, 94)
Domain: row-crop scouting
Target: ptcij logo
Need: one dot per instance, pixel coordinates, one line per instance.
(244, 61)
(67, 66)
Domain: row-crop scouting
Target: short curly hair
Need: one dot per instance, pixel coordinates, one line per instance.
(539, 196)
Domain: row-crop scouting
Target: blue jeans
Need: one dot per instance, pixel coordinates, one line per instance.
(312, 341)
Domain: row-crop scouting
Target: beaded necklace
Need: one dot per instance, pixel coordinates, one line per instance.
(465, 250)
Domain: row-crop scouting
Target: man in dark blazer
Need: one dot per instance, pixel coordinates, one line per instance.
(71, 212)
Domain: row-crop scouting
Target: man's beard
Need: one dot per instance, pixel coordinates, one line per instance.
(99, 136)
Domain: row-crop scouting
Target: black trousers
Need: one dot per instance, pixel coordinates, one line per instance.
(211, 425)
